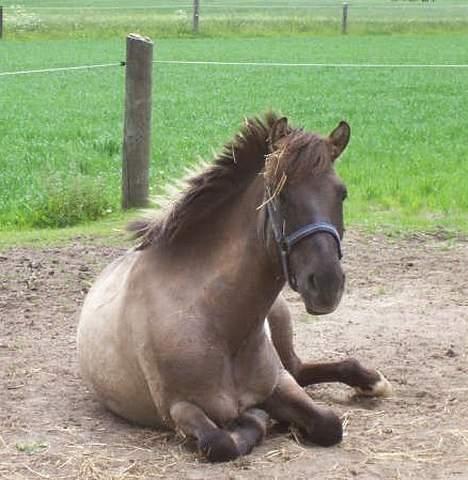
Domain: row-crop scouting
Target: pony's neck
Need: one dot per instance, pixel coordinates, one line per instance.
(253, 278)
(237, 271)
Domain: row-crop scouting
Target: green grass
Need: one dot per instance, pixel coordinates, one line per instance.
(108, 231)
(406, 166)
(162, 18)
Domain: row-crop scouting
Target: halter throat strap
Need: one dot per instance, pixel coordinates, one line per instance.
(286, 242)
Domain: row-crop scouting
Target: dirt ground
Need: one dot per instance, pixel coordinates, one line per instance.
(405, 312)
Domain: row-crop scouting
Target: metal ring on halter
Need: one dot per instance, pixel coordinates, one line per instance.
(286, 242)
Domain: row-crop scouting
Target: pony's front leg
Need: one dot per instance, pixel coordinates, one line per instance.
(350, 372)
(290, 403)
(217, 444)
(365, 381)
(249, 429)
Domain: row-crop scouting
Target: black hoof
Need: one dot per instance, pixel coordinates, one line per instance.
(326, 430)
(218, 446)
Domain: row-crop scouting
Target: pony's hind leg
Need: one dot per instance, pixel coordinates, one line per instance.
(365, 381)
(217, 444)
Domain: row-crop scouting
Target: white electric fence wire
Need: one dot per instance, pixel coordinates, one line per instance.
(60, 69)
(244, 64)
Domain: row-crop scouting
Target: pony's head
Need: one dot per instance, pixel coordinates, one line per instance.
(304, 199)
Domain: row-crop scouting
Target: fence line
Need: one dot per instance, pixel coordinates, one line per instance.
(317, 65)
(294, 9)
(314, 65)
(243, 64)
(421, 6)
(61, 69)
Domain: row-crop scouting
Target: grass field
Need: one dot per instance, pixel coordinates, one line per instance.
(163, 18)
(60, 134)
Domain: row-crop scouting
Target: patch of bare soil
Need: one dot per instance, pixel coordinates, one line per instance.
(405, 312)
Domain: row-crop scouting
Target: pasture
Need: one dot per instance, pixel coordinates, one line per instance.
(61, 132)
(160, 18)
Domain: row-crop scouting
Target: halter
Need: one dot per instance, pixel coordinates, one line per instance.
(286, 242)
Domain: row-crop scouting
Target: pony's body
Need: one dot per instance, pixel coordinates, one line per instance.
(138, 357)
(172, 333)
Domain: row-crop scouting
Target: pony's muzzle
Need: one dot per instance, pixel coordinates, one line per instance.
(322, 291)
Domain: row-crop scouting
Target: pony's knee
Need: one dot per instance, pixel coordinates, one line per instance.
(257, 419)
(250, 429)
(215, 444)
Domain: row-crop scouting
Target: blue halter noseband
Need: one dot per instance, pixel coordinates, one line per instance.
(286, 242)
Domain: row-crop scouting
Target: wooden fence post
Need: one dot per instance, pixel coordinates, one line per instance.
(1, 22)
(344, 21)
(137, 122)
(196, 15)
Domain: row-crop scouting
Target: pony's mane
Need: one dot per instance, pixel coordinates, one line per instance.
(247, 155)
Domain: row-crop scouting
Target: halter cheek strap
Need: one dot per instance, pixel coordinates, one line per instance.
(286, 242)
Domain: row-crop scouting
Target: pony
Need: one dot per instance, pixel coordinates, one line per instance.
(172, 334)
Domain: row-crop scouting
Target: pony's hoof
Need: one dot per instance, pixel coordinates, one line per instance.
(218, 446)
(381, 388)
(327, 430)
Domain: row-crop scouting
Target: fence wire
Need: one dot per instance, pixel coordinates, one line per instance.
(61, 69)
(314, 65)
(242, 64)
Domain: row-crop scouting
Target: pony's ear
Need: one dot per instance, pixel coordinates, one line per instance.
(279, 130)
(339, 138)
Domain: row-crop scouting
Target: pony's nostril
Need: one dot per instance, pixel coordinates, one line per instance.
(312, 281)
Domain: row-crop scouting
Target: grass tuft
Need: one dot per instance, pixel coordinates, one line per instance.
(64, 204)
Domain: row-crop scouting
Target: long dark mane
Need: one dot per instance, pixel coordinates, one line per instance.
(241, 159)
